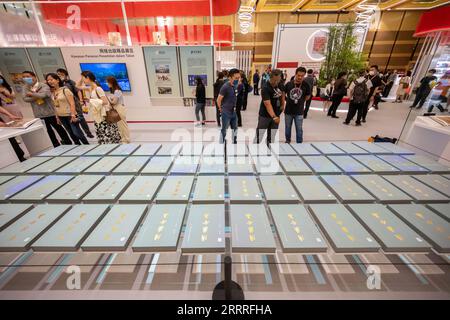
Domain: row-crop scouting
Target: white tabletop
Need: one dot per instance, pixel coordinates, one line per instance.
(430, 124)
(6, 133)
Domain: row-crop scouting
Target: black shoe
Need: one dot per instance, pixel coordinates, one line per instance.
(376, 107)
(411, 107)
(346, 123)
(358, 124)
(335, 117)
(363, 120)
(418, 107)
(90, 135)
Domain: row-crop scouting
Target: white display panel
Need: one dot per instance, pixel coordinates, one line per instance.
(321, 164)
(22, 167)
(79, 150)
(4, 179)
(278, 189)
(197, 61)
(349, 164)
(346, 189)
(175, 189)
(212, 165)
(191, 148)
(205, 229)
(105, 165)
(157, 165)
(244, 189)
(109, 189)
(259, 149)
(305, 149)
(394, 148)
(21, 234)
(78, 165)
(72, 229)
(142, 189)
(124, 149)
(294, 165)
(214, 150)
(237, 150)
(169, 149)
(417, 190)
(41, 189)
(312, 189)
(267, 165)
(428, 163)
(209, 189)
(282, 149)
(51, 165)
(376, 164)
(381, 189)
(239, 165)
(116, 229)
(349, 147)
(327, 148)
(371, 147)
(13, 186)
(402, 164)
(147, 149)
(75, 189)
(57, 151)
(185, 165)
(161, 228)
(11, 212)
(436, 182)
(103, 149)
(442, 209)
(131, 165)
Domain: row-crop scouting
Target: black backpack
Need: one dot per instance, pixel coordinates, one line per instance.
(360, 92)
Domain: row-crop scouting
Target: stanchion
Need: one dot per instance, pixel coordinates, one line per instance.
(228, 289)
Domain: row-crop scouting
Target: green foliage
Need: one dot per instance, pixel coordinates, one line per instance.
(341, 53)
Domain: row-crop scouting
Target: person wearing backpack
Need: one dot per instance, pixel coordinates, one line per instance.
(64, 103)
(358, 93)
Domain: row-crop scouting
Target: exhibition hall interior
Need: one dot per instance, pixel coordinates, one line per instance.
(225, 149)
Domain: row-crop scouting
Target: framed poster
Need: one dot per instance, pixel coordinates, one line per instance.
(162, 71)
(197, 62)
(46, 60)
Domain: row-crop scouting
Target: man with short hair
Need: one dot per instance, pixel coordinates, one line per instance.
(39, 96)
(271, 107)
(358, 93)
(256, 79)
(297, 92)
(374, 90)
(424, 89)
(310, 80)
(78, 96)
(226, 102)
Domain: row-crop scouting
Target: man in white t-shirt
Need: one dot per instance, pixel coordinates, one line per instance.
(358, 93)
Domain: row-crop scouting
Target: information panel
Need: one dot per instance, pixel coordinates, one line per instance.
(305, 149)
(349, 147)
(346, 189)
(72, 229)
(244, 189)
(19, 235)
(116, 229)
(349, 164)
(432, 227)
(78, 165)
(41, 189)
(312, 189)
(51, 165)
(376, 164)
(428, 163)
(343, 231)
(391, 232)
(328, 148)
(209, 189)
(161, 228)
(13, 61)
(205, 229)
(296, 230)
(294, 165)
(75, 189)
(416, 189)
(147, 149)
(197, 62)
(105, 165)
(251, 230)
(109, 189)
(142, 189)
(45, 60)
(11, 212)
(321, 164)
(175, 189)
(381, 189)
(22, 167)
(13, 186)
(436, 182)
(402, 163)
(131, 165)
(278, 189)
(157, 165)
(162, 71)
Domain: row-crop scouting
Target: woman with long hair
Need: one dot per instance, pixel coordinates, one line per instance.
(8, 100)
(200, 95)
(106, 132)
(403, 86)
(64, 103)
(116, 101)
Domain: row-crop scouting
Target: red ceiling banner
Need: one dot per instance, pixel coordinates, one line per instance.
(434, 20)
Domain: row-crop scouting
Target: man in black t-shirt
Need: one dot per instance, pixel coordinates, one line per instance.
(424, 89)
(375, 79)
(297, 92)
(272, 104)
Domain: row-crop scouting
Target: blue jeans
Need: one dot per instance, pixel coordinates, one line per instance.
(228, 120)
(298, 119)
(200, 107)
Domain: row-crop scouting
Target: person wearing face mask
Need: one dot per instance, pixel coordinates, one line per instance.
(78, 97)
(64, 103)
(272, 105)
(339, 91)
(374, 91)
(39, 96)
(8, 100)
(116, 100)
(424, 89)
(297, 92)
(226, 102)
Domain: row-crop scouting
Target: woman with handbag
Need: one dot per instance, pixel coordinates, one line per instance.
(116, 101)
(403, 87)
(105, 118)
